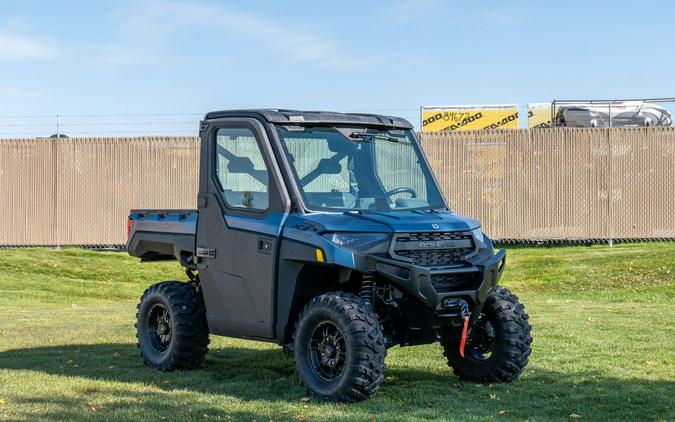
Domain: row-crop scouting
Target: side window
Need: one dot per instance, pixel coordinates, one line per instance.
(241, 169)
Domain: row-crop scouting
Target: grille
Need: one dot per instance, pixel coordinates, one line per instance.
(451, 248)
(435, 257)
(433, 236)
(450, 282)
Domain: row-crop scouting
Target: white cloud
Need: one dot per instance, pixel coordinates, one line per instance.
(147, 29)
(21, 47)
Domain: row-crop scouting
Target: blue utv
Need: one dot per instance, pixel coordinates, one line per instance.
(327, 234)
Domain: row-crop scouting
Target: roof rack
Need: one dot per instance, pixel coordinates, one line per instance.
(313, 117)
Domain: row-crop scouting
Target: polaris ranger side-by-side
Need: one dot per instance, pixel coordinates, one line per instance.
(325, 233)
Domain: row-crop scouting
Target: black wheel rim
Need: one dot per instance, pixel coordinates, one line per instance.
(327, 351)
(483, 343)
(159, 328)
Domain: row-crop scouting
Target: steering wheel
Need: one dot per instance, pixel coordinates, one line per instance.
(392, 192)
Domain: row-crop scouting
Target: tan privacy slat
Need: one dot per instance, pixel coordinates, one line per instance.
(557, 184)
(538, 184)
(27, 192)
(97, 181)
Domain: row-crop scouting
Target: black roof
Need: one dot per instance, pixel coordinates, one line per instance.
(310, 117)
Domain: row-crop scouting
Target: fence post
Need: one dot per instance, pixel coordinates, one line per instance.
(610, 190)
(55, 200)
(55, 183)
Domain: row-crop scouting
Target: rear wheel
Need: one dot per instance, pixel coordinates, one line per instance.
(500, 342)
(171, 326)
(339, 348)
(288, 349)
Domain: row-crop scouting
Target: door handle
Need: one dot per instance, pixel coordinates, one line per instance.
(265, 246)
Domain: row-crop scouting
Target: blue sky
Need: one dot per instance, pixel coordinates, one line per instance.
(118, 58)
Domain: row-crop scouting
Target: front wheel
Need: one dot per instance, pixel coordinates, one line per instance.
(339, 348)
(500, 343)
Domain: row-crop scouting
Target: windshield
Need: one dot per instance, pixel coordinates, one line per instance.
(342, 169)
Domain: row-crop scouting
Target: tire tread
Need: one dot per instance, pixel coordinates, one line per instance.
(369, 345)
(190, 329)
(516, 346)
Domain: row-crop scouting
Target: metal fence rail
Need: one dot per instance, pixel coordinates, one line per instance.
(540, 184)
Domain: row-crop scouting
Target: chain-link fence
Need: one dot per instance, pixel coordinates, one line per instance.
(560, 184)
(541, 184)
(78, 191)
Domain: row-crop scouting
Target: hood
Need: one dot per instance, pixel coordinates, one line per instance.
(385, 222)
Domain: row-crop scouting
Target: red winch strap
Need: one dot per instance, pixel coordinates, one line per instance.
(463, 342)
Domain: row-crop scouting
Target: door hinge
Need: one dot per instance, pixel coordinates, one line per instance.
(203, 125)
(206, 253)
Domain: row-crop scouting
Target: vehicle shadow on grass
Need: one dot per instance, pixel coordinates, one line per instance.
(268, 376)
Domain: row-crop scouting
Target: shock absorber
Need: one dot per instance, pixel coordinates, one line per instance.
(366, 292)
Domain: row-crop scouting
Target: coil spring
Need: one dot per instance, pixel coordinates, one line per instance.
(366, 292)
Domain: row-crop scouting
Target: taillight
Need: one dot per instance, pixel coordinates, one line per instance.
(130, 225)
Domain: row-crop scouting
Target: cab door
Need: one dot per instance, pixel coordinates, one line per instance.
(242, 205)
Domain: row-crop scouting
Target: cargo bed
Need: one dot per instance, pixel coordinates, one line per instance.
(163, 234)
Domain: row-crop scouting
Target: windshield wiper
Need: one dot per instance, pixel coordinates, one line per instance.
(430, 210)
(368, 136)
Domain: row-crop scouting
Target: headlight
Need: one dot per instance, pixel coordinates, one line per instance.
(478, 235)
(483, 241)
(355, 240)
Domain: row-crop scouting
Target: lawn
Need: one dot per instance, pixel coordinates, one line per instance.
(603, 326)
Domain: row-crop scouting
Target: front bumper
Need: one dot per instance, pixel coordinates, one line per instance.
(417, 280)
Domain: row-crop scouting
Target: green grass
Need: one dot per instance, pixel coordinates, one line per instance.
(603, 325)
